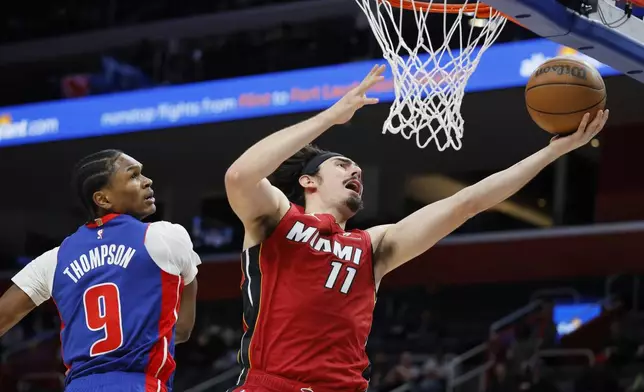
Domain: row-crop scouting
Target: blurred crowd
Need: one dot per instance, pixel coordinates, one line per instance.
(414, 346)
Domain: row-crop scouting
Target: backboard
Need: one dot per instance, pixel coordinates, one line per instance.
(599, 29)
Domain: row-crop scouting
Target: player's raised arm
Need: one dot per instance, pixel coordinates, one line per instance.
(396, 244)
(249, 193)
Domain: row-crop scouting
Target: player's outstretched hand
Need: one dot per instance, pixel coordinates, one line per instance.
(585, 133)
(345, 108)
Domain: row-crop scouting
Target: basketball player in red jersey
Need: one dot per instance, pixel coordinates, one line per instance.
(308, 285)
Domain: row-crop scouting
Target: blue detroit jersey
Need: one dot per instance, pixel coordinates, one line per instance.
(117, 307)
(117, 286)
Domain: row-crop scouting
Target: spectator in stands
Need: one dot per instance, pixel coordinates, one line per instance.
(638, 384)
(427, 331)
(548, 328)
(230, 338)
(523, 348)
(501, 381)
(379, 366)
(433, 376)
(623, 344)
(402, 373)
(498, 348)
(536, 380)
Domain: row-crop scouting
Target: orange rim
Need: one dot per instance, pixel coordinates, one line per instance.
(482, 11)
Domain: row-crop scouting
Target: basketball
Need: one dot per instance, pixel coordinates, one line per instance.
(560, 91)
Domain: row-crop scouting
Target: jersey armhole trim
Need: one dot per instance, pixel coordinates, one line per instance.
(53, 280)
(372, 256)
(145, 235)
(288, 212)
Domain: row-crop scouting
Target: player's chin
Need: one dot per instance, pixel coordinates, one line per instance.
(354, 203)
(146, 210)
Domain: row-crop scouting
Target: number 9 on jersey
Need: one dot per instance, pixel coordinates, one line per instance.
(103, 313)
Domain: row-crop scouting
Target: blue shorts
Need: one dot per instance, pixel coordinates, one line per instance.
(116, 382)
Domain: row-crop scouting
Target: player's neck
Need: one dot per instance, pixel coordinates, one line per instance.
(316, 208)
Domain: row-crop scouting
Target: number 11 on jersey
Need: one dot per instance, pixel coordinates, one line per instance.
(336, 267)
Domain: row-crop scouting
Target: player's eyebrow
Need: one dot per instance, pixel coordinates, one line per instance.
(344, 160)
(132, 167)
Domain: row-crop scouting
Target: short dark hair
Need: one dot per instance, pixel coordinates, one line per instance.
(287, 176)
(91, 174)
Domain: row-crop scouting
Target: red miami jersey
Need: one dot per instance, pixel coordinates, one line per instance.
(309, 294)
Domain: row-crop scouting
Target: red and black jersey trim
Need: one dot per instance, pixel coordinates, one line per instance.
(251, 288)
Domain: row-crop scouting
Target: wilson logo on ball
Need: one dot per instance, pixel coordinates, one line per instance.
(576, 72)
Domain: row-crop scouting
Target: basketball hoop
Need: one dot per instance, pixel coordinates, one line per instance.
(430, 79)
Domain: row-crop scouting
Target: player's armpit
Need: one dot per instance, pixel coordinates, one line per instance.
(15, 304)
(187, 313)
(256, 203)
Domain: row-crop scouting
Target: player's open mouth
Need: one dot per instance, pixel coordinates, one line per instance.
(354, 185)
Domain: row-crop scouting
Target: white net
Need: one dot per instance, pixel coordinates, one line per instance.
(430, 77)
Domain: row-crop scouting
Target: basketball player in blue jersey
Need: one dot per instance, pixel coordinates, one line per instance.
(125, 290)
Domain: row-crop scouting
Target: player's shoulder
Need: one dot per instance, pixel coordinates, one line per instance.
(46, 262)
(168, 229)
(167, 234)
(294, 210)
(357, 233)
(294, 213)
(170, 247)
(50, 256)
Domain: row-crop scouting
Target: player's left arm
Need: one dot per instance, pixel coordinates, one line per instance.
(31, 287)
(170, 247)
(187, 261)
(396, 244)
(187, 313)
(15, 304)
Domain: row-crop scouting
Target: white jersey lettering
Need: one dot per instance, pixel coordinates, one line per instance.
(299, 232)
(95, 258)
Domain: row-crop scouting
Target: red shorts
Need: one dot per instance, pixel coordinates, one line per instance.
(257, 381)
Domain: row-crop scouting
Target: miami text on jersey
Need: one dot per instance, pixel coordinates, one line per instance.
(117, 255)
(302, 233)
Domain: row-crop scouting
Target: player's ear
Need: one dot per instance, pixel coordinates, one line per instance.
(102, 199)
(307, 182)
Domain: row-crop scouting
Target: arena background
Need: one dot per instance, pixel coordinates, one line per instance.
(540, 294)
